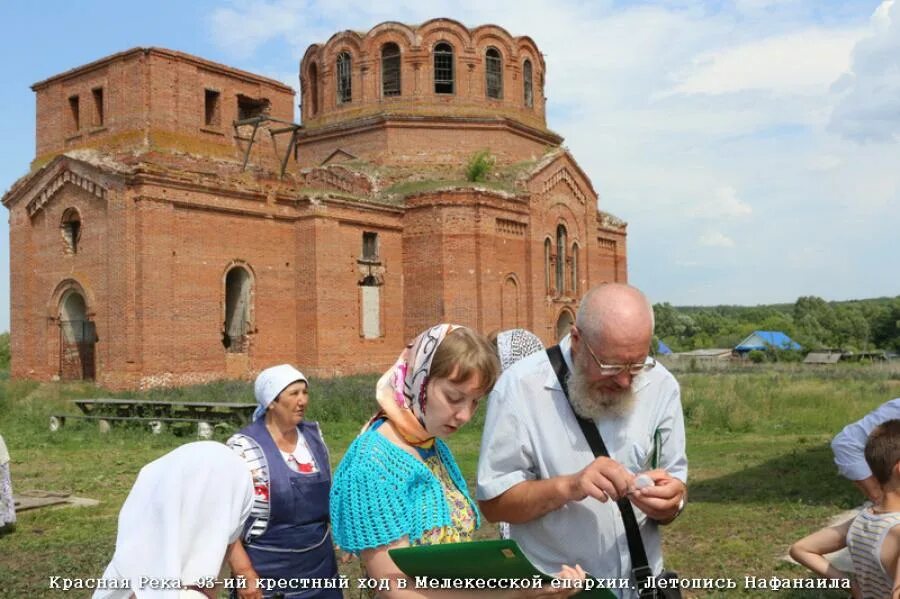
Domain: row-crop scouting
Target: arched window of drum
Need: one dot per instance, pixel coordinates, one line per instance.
(390, 70)
(344, 83)
(548, 251)
(493, 70)
(527, 78)
(443, 68)
(561, 259)
(574, 281)
(313, 89)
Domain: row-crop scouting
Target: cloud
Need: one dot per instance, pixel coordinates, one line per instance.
(869, 109)
(725, 204)
(242, 30)
(715, 239)
(804, 62)
(698, 125)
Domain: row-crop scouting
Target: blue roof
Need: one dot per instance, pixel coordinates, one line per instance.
(662, 349)
(761, 340)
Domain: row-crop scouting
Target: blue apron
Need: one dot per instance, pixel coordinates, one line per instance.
(297, 542)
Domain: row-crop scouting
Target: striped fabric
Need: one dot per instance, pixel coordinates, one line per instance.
(253, 456)
(864, 540)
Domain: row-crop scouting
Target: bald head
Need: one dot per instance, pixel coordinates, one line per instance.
(615, 314)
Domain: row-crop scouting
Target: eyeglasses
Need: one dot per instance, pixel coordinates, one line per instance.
(615, 369)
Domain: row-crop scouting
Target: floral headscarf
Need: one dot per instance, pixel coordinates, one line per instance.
(401, 390)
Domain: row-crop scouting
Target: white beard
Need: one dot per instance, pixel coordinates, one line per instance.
(594, 403)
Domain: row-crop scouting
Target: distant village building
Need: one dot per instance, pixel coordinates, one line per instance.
(711, 354)
(763, 340)
(178, 227)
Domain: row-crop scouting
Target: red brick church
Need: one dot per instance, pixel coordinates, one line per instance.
(177, 226)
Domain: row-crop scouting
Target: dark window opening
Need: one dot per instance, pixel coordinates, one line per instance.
(527, 78)
(494, 73)
(344, 80)
(443, 68)
(237, 310)
(561, 259)
(313, 89)
(71, 229)
(548, 257)
(249, 108)
(74, 109)
(97, 93)
(370, 246)
(574, 281)
(212, 114)
(390, 70)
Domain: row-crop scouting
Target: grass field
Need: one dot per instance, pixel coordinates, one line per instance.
(761, 474)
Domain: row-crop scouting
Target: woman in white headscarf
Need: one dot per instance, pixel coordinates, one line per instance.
(512, 346)
(288, 536)
(177, 523)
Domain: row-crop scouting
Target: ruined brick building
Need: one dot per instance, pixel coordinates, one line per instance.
(177, 226)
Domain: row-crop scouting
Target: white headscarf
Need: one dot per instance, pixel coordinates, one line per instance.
(271, 382)
(183, 511)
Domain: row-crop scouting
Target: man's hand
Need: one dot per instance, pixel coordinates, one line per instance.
(660, 500)
(602, 479)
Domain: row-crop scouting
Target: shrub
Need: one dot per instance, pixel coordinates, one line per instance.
(757, 356)
(479, 166)
(4, 351)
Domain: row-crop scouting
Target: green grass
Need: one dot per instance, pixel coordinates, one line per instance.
(761, 474)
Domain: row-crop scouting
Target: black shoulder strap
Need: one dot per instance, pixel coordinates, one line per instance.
(640, 568)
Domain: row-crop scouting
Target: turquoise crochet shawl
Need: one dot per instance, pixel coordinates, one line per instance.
(381, 493)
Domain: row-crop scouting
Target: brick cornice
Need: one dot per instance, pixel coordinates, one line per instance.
(164, 53)
(383, 121)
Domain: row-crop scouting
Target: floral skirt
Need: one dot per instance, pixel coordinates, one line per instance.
(7, 506)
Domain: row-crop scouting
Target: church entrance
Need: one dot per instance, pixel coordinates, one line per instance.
(77, 337)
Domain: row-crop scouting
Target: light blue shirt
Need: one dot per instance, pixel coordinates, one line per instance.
(849, 445)
(531, 433)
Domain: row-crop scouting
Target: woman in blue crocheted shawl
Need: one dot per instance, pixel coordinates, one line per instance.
(398, 484)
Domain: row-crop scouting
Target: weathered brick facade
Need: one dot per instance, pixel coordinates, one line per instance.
(145, 252)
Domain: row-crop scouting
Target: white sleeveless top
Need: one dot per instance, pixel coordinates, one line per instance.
(864, 540)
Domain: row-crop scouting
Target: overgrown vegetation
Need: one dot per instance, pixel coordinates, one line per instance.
(479, 166)
(761, 474)
(4, 351)
(859, 325)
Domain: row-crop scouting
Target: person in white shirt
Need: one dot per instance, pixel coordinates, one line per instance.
(849, 448)
(536, 469)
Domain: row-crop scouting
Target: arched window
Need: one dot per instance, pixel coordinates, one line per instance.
(344, 83)
(313, 89)
(493, 71)
(71, 229)
(443, 68)
(390, 69)
(237, 310)
(574, 282)
(548, 252)
(528, 84)
(561, 259)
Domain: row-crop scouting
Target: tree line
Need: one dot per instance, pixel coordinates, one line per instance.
(855, 325)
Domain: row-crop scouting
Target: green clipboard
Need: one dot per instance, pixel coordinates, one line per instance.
(478, 560)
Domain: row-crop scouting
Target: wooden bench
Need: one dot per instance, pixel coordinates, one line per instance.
(156, 413)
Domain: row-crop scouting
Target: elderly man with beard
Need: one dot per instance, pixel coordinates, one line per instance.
(536, 469)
